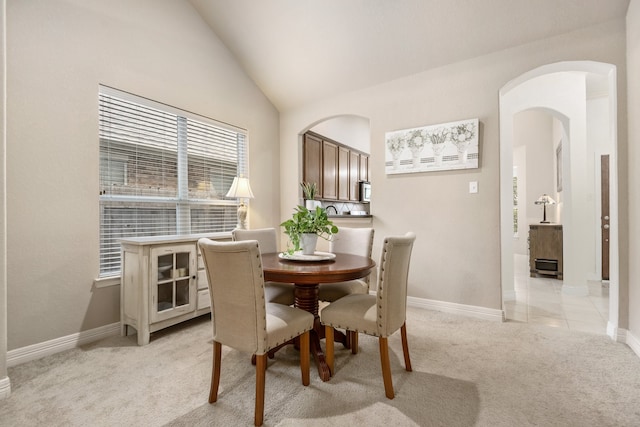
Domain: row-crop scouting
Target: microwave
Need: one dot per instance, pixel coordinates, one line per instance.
(365, 191)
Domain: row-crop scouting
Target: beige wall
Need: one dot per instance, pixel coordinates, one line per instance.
(456, 257)
(4, 380)
(633, 75)
(59, 51)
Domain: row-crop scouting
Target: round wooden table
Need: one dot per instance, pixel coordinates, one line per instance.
(307, 276)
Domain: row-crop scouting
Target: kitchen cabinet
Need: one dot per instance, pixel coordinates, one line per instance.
(354, 176)
(335, 167)
(163, 282)
(312, 167)
(364, 167)
(344, 181)
(329, 170)
(545, 250)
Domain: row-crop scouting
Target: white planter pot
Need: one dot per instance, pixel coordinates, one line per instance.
(312, 204)
(308, 242)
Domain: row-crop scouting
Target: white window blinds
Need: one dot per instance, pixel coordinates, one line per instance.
(163, 171)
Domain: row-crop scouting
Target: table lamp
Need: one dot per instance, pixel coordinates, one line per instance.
(545, 200)
(240, 189)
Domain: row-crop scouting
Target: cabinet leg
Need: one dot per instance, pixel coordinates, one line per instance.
(143, 338)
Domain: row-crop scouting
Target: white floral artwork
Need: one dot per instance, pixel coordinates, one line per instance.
(438, 147)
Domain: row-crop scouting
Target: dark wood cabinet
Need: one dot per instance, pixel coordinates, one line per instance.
(545, 250)
(354, 176)
(312, 168)
(364, 168)
(329, 170)
(343, 173)
(336, 168)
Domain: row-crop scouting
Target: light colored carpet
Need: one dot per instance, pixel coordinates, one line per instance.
(466, 372)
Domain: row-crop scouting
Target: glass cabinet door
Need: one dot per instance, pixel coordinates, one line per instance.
(172, 284)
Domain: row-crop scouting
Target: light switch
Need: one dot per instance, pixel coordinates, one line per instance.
(473, 186)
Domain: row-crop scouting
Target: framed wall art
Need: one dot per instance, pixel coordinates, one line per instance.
(439, 147)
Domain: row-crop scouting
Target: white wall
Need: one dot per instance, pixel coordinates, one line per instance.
(59, 51)
(353, 131)
(633, 75)
(533, 128)
(456, 255)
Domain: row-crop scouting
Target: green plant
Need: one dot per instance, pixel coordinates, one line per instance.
(308, 221)
(309, 189)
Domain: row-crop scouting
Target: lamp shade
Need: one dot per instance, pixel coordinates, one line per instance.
(240, 188)
(545, 200)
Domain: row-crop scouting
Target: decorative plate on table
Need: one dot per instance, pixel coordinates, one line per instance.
(299, 256)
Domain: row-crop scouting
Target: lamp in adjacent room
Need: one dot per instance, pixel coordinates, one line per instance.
(545, 200)
(240, 189)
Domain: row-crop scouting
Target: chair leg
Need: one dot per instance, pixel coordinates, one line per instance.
(386, 367)
(261, 367)
(215, 372)
(405, 347)
(304, 357)
(354, 341)
(328, 338)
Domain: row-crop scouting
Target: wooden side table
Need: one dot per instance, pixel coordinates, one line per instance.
(545, 250)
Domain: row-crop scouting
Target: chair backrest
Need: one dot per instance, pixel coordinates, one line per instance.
(392, 282)
(266, 237)
(236, 288)
(355, 241)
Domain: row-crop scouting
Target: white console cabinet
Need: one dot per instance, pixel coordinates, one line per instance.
(163, 282)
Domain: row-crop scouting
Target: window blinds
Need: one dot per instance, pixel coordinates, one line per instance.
(163, 171)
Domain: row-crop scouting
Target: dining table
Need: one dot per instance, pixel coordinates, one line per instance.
(307, 274)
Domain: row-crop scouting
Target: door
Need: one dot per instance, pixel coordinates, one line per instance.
(172, 286)
(604, 191)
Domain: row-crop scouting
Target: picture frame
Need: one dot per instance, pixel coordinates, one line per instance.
(444, 146)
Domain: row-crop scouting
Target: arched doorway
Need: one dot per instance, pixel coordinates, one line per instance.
(562, 89)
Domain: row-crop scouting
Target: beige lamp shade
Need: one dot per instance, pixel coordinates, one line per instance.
(240, 189)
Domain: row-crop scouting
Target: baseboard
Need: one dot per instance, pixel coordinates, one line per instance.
(633, 342)
(454, 308)
(37, 351)
(5, 387)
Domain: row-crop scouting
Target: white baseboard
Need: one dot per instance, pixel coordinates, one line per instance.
(462, 309)
(633, 342)
(37, 351)
(5, 387)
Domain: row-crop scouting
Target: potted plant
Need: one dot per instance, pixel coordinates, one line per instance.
(309, 191)
(304, 227)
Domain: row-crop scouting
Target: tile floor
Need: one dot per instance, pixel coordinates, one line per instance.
(540, 300)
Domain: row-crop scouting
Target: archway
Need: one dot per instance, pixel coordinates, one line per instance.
(561, 89)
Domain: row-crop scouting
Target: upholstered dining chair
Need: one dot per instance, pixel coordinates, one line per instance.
(355, 241)
(242, 319)
(379, 315)
(281, 293)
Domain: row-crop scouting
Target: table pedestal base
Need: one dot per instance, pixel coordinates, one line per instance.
(306, 298)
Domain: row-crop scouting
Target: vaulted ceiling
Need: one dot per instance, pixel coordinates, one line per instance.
(300, 51)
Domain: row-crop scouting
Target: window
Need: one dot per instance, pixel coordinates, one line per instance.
(162, 171)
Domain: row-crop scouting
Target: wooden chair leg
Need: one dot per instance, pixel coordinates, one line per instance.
(215, 372)
(261, 367)
(304, 357)
(405, 347)
(328, 338)
(386, 367)
(354, 341)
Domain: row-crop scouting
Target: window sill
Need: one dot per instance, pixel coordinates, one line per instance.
(106, 282)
